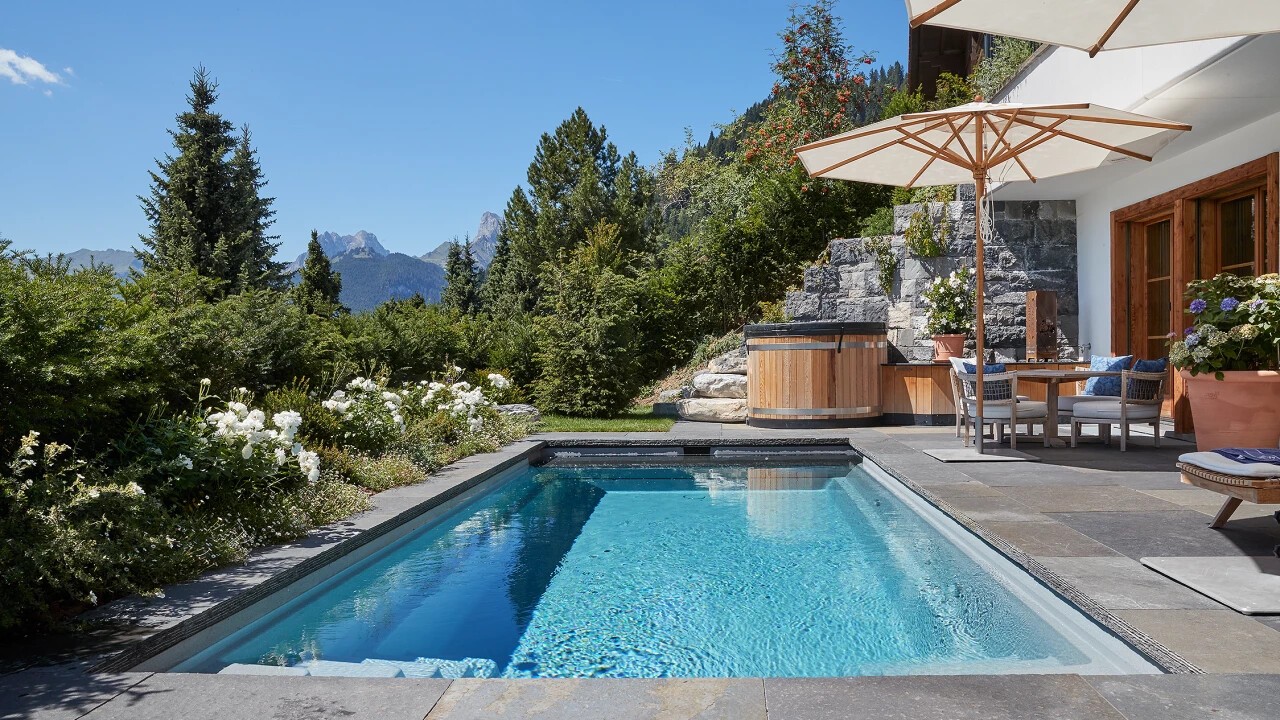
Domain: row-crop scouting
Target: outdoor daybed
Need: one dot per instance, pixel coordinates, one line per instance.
(1255, 482)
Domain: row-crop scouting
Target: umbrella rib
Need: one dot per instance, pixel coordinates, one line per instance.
(955, 133)
(854, 136)
(1026, 109)
(1087, 141)
(948, 155)
(933, 12)
(1016, 157)
(876, 149)
(1025, 145)
(1124, 15)
(1158, 124)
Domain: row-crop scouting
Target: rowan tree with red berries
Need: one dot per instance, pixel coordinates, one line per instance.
(822, 88)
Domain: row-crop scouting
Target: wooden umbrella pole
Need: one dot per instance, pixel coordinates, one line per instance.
(979, 189)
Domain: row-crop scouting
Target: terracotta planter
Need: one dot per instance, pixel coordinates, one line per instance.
(946, 347)
(1242, 410)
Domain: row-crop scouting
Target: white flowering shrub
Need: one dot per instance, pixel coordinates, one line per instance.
(950, 301)
(221, 456)
(370, 414)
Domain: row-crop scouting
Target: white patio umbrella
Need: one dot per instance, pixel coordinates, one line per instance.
(1094, 25)
(983, 142)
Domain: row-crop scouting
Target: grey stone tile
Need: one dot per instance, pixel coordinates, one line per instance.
(1218, 641)
(1271, 621)
(990, 697)
(54, 694)
(1049, 539)
(164, 696)
(1184, 495)
(1192, 697)
(1032, 475)
(1184, 533)
(671, 699)
(972, 488)
(994, 509)
(1120, 583)
(1094, 498)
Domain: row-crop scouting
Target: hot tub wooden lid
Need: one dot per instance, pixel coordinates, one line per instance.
(809, 329)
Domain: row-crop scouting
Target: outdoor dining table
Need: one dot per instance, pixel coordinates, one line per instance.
(1052, 379)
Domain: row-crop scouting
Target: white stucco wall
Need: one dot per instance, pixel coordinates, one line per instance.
(1120, 79)
(1093, 212)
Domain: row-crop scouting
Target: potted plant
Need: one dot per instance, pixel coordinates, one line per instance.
(1229, 358)
(949, 318)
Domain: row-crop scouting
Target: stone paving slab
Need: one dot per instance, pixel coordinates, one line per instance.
(169, 696)
(986, 697)
(1245, 584)
(1218, 641)
(1090, 498)
(1192, 697)
(1049, 539)
(1121, 583)
(1182, 533)
(672, 699)
(60, 693)
(988, 509)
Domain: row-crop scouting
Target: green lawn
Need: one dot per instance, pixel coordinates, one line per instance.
(638, 419)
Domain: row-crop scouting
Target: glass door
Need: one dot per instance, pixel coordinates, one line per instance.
(1156, 290)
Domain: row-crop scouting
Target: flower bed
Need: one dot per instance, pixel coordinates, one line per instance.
(188, 491)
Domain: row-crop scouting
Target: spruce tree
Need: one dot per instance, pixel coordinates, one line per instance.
(577, 179)
(318, 285)
(461, 291)
(205, 210)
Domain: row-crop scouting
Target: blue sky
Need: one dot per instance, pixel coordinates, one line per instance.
(407, 119)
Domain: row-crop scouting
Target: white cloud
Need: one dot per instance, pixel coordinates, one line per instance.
(23, 70)
(69, 71)
(48, 93)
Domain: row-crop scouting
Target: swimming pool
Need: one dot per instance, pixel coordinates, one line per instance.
(718, 569)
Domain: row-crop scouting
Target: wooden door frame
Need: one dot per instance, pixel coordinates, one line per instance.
(1181, 203)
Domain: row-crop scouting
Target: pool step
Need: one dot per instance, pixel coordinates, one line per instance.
(436, 668)
(331, 668)
(247, 669)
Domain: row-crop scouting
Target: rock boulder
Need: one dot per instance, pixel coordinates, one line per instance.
(521, 410)
(720, 410)
(733, 362)
(720, 385)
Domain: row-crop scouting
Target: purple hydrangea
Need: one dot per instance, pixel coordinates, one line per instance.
(1228, 304)
(1257, 304)
(1188, 331)
(1193, 339)
(1198, 306)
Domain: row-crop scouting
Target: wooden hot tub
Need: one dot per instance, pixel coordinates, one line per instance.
(815, 374)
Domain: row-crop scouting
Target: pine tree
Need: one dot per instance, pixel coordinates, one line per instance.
(318, 285)
(205, 210)
(577, 179)
(461, 292)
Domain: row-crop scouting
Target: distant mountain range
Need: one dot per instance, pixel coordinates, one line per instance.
(371, 274)
(121, 261)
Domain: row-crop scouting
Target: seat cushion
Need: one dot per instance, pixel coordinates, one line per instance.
(1029, 410)
(1110, 410)
(1214, 462)
(1066, 402)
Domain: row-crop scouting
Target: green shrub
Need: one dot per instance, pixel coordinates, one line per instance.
(877, 223)
(587, 344)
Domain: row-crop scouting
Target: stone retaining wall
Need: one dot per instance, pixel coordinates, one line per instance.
(1033, 248)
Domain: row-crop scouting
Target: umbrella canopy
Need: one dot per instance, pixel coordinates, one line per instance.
(1003, 142)
(1094, 25)
(982, 141)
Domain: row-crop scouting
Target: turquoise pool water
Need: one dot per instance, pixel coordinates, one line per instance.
(688, 571)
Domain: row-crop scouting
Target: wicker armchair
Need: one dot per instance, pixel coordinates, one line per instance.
(1141, 395)
(1001, 407)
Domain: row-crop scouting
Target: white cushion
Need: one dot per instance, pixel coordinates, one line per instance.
(1026, 410)
(1110, 410)
(957, 364)
(1066, 402)
(1217, 463)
